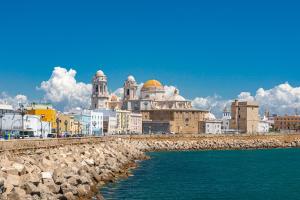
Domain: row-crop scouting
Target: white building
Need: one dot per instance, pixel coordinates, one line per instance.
(91, 121)
(211, 125)
(123, 121)
(4, 108)
(136, 123)
(264, 125)
(96, 126)
(12, 122)
(109, 121)
(226, 121)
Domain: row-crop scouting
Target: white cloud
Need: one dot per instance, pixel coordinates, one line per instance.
(215, 104)
(63, 89)
(281, 99)
(14, 101)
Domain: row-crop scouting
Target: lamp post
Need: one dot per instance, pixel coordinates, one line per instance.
(66, 126)
(1, 116)
(41, 120)
(57, 126)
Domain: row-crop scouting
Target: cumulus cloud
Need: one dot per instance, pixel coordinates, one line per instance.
(63, 89)
(214, 104)
(15, 101)
(281, 99)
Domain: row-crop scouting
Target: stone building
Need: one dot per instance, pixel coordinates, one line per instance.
(152, 96)
(287, 123)
(244, 116)
(180, 121)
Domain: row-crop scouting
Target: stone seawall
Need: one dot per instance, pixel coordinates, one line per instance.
(69, 169)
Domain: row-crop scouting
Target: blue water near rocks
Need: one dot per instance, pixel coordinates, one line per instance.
(232, 175)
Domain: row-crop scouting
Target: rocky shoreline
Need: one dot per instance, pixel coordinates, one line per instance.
(78, 171)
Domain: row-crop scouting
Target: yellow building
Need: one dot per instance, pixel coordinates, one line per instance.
(46, 111)
(67, 124)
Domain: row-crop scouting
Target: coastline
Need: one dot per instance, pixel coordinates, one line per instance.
(78, 170)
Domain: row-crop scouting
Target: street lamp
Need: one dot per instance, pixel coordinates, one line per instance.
(1, 116)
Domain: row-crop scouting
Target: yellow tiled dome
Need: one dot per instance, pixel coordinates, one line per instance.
(152, 83)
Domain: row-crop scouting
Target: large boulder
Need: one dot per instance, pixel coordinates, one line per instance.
(83, 190)
(13, 180)
(20, 168)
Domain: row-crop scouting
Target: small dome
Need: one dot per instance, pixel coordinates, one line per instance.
(152, 84)
(131, 78)
(176, 97)
(210, 116)
(100, 73)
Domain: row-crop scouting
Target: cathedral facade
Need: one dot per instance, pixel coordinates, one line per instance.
(151, 96)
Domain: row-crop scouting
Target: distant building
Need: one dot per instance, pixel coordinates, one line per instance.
(45, 111)
(210, 125)
(180, 121)
(287, 123)
(156, 127)
(66, 124)
(263, 126)
(14, 123)
(100, 95)
(4, 108)
(135, 123)
(226, 121)
(244, 116)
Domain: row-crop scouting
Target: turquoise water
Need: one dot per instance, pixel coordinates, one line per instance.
(248, 174)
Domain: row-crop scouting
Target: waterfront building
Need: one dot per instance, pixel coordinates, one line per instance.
(210, 125)
(264, 125)
(109, 121)
(4, 108)
(179, 121)
(156, 127)
(123, 121)
(96, 123)
(244, 116)
(84, 118)
(45, 111)
(135, 123)
(226, 117)
(32, 124)
(66, 124)
(287, 123)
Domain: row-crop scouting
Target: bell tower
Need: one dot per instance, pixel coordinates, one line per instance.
(130, 89)
(100, 94)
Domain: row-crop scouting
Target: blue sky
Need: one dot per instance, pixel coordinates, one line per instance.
(202, 47)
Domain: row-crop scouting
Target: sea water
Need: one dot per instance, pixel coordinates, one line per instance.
(187, 175)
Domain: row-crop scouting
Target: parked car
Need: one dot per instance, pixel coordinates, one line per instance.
(51, 135)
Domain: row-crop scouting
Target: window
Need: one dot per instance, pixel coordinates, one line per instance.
(128, 92)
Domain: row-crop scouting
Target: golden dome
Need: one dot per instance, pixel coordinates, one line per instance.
(151, 84)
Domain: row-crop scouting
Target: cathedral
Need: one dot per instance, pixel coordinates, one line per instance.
(161, 111)
(152, 96)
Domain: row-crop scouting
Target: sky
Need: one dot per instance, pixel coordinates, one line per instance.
(207, 49)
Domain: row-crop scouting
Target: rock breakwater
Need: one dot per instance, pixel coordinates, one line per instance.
(77, 171)
(71, 172)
